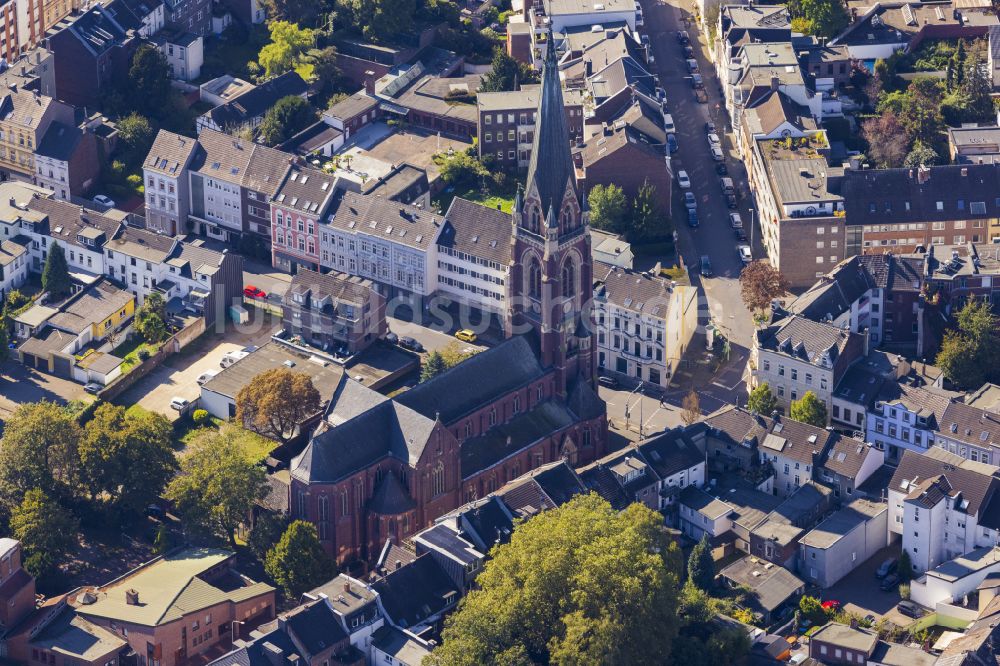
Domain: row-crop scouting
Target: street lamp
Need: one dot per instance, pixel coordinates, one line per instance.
(628, 410)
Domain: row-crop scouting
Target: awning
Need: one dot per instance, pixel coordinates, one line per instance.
(394, 108)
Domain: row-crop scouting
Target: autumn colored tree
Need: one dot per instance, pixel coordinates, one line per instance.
(691, 408)
(887, 141)
(276, 402)
(761, 283)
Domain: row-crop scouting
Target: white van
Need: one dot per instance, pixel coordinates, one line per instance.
(232, 357)
(668, 123)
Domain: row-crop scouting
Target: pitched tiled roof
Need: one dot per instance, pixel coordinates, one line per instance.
(976, 488)
(380, 217)
(972, 425)
(142, 244)
(416, 591)
(772, 585)
(170, 153)
(255, 102)
(222, 157)
(340, 287)
(314, 627)
(266, 170)
(670, 452)
(846, 456)
(602, 481)
(67, 221)
(477, 230)
(927, 402)
(635, 291)
(806, 340)
(305, 189)
(785, 437)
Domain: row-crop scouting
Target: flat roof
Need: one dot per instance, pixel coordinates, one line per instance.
(842, 523)
(967, 564)
(324, 374)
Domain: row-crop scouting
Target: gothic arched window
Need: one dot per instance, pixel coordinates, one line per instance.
(534, 219)
(437, 480)
(568, 278)
(567, 219)
(534, 278)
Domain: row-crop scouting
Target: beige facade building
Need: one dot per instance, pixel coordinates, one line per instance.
(25, 116)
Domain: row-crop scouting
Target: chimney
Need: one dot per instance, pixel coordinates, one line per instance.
(774, 83)
(274, 654)
(854, 623)
(347, 587)
(923, 174)
(605, 130)
(132, 597)
(588, 67)
(370, 82)
(399, 565)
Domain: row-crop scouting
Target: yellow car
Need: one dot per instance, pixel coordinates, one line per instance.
(465, 335)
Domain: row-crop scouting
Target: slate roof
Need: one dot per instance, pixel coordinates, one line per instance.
(73, 637)
(340, 287)
(700, 501)
(785, 437)
(305, 189)
(490, 522)
(477, 230)
(402, 647)
(390, 497)
(772, 587)
(806, 340)
(971, 425)
(67, 221)
(502, 440)
(476, 381)
(542, 488)
(620, 74)
(926, 402)
(670, 452)
(170, 153)
(846, 457)
(833, 294)
(646, 120)
(635, 291)
(222, 157)
(602, 481)
(603, 145)
(256, 654)
(60, 141)
(975, 487)
(142, 244)
(314, 628)
(415, 592)
(266, 170)
(377, 216)
(255, 102)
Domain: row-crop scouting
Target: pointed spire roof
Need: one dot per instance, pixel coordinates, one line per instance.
(551, 166)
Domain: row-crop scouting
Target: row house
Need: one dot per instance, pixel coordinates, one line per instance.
(25, 117)
(473, 256)
(942, 506)
(165, 173)
(389, 243)
(299, 205)
(795, 355)
(23, 24)
(13, 266)
(970, 431)
(906, 417)
(843, 541)
(956, 273)
(67, 160)
(745, 24)
(644, 323)
(146, 17)
(334, 311)
(506, 123)
(847, 464)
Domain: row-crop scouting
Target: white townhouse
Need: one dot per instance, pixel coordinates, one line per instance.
(165, 173)
(906, 418)
(137, 258)
(473, 256)
(13, 266)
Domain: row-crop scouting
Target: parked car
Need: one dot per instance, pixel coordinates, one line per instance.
(890, 582)
(706, 266)
(746, 256)
(251, 291)
(672, 143)
(682, 180)
(697, 81)
(409, 343)
(682, 37)
(701, 96)
(645, 40)
(392, 338)
(104, 200)
(727, 185)
(713, 139)
(709, 127)
(688, 51)
(721, 169)
(731, 200)
(607, 381)
(735, 221)
(692, 218)
(465, 335)
(668, 123)
(180, 404)
(910, 609)
(692, 65)
(93, 387)
(205, 376)
(741, 235)
(886, 568)
(690, 202)
(717, 154)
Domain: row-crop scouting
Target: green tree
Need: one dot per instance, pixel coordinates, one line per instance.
(462, 170)
(302, 12)
(275, 402)
(762, 401)
(288, 44)
(286, 118)
(608, 208)
(809, 409)
(149, 87)
(298, 562)
(379, 20)
(4, 333)
(150, 320)
(164, 540)
(921, 114)
(580, 584)
(432, 366)
(267, 530)
(823, 18)
(126, 457)
(812, 609)
(135, 134)
(320, 66)
(38, 450)
(648, 220)
(217, 485)
(505, 74)
(921, 155)
(904, 568)
(55, 274)
(969, 355)
(46, 531)
(701, 565)
(976, 87)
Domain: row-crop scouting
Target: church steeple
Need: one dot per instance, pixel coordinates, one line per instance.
(550, 170)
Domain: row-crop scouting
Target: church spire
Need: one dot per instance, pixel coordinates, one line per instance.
(551, 166)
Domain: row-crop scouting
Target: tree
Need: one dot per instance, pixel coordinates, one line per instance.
(150, 320)
(581, 583)
(149, 81)
(267, 530)
(432, 367)
(976, 87)
(38, 450)
(921, 113)
(812, 609)
(135, 135)
(701, 565)
(691, 408)
(4, 334)
(608, 208)
(648, 220)
(304, 12)
(505, 74)
(286, 118)
(288, 44)
(808, 409)
(921, 155)
(904, 568)
(276, 402)
(761, 283)
(969, 355)
(462, 170)
(217, 484)
(55, 274)
(298, 563)
(762, 401)
(823, 18)
(320, 65)
(379, 19)
(126, 457)
(46, 531)
(886, 139)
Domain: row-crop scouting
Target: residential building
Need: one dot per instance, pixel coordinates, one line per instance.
(223, 89)
(558, 15)
(906, 418)
(356, 606)
(473, 256)
(506, 123)
(165, 173)
(146, 17)
(23, 24)
(184, 51)
(90, 52)
(351, 114)
(17, 586)
(746, 24)
(971, 432)
(644, 324)
(265, 173)
(334, 311)
(621, 155)
(246, 110)
(398, 647)
(67, 160)
(956, 273)
(215, 176)
(849, 463)
(857, 391)
(830, 66)
(611, 249)
(54, 630)
(775, 538)
(316, 139)
(942, 506)
(975, 145)
(417, 596)
(800, 216)
(299, 205)
(841, 644)
(772, 115)
(389, 243)
(193, 16)
(795, 355)
(843, 541)
(81, 232)
(404, 183)
(25, 117)
(514, 407)
(170, 608)
(13, 266)
(677, 458)
(773, 586)
(952, 581)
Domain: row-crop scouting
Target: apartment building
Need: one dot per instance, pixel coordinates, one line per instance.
(216, 176)
(392, 244)
(184, 51)
(81, 232)
(563, 14)
(506, 126)
(67, 160)
(773, 116)
(246, 110)
(644, 323)
(13, 266)
(473, 256)
(942, 506)
(23, 24)
(146, 17)
(795, 355)
(746, 24)
(957, 273)
(906, 418)
(334, 311)
(794, 450)
(165, 173)
(622, 155)
(801, 217)
(299, 204)
(25, 117)
(970, 432)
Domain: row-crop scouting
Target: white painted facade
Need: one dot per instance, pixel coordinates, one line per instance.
(473, 280)
(893, 428)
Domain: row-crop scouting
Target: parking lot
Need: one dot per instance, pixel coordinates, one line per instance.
(177, 377)
(19, 385)
(862, 588)
(430, 339)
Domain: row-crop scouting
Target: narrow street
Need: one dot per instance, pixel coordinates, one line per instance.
(714, 236)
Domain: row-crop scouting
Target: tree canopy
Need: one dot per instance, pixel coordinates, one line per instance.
(275, 402)
(288, 45)
(809, 409)
(285, 119)
(55, 274)
(298, 562)
(648, 218)
(761, 283)
(608, 208)
(970, 354)
(701, 565)
(582, 583)
(38, 450)
(150, 320)
(506, 74)
(691, 408)
(762, 401)
(379, 20)
(148, 88)
(46, 530)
